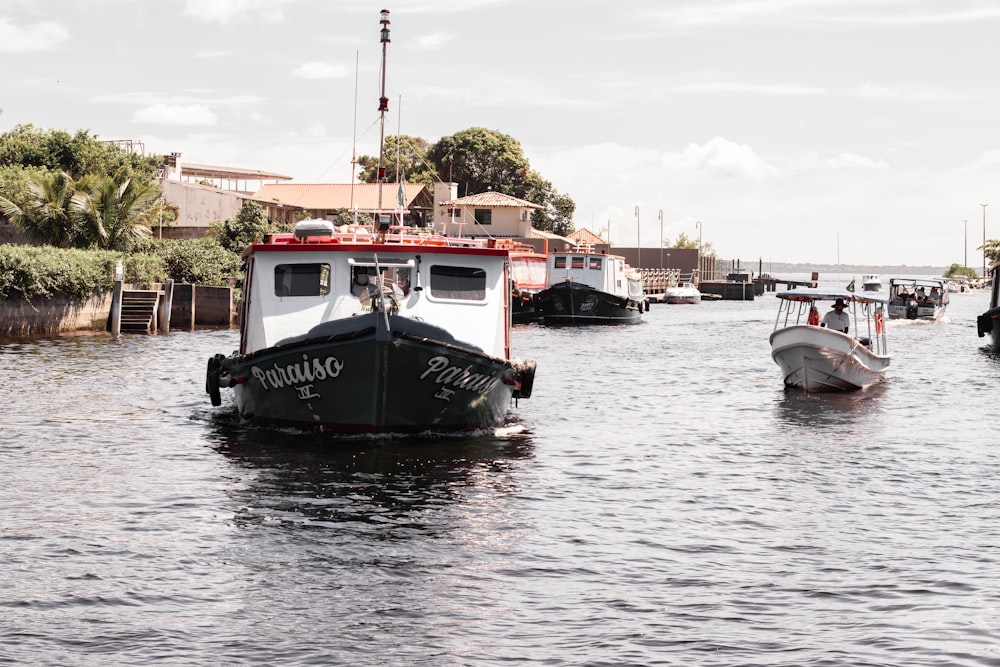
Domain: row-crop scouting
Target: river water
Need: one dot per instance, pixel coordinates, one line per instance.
(660, 500)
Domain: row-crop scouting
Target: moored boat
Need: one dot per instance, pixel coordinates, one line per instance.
(917, 298)
(587, 287)
(820, 358)
(989, 321)
(683, 293)
(527, 270)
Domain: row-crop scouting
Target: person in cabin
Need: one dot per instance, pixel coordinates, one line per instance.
(837, 319)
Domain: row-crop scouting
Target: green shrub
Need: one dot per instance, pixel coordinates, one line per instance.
(30, 271)
(199, 261)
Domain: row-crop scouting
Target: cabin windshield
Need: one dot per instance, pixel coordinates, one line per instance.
(312, 279)
(458, 282)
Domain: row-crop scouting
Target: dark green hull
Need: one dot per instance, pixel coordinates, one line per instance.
(572, 303)
(369, 376)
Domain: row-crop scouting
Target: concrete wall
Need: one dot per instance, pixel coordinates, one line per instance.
(44, 316)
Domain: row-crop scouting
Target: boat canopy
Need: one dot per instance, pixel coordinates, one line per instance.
(810, 294)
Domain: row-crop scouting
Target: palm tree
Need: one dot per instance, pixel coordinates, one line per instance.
(46, 217)
(113, 214)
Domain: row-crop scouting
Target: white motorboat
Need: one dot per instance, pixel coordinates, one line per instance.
(683, 293)
(817, 358)
(871, 282)
(917, 298)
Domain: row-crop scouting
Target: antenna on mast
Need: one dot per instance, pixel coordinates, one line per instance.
(383, 107)
(354, 145)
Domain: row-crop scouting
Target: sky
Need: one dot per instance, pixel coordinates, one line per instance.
(825, 131)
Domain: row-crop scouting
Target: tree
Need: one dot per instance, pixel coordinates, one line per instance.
(402, 153)
(46, 214)
(480, 160)
(76, 154)
(992, 251)
(112, 213)
(957, 269)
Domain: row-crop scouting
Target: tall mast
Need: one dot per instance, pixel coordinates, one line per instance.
(383, 107)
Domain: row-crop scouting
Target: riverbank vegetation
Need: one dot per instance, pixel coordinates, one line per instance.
(87, 206)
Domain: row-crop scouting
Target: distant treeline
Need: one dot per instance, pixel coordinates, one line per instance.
(779, 268)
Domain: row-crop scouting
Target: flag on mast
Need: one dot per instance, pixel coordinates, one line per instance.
(850, 287)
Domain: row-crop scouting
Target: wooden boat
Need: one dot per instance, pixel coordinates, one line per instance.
(586, 287)
(527, 270)
(385, 330)
(354, 332)
(987, 322)
(917, 298)
(871, 282)
(817, 358)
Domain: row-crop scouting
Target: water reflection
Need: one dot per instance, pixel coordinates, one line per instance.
(313, 480)
(802, 409)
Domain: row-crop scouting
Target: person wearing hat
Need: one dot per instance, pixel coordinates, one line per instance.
(837, 319)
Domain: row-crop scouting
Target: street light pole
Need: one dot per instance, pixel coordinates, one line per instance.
(965, 262)
(984, 238)
(698, 224)
(638, 240)
(661, 239)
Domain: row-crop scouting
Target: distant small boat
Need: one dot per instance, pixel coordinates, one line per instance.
(871, 282)
(987, 323)
(917, 298)
(683, 293)
(816, 358)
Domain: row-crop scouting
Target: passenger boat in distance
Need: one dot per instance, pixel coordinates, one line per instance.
(818, 358)
(871, 282)
(587, 287)
(917, 298)
(381, 329)
(987, 322)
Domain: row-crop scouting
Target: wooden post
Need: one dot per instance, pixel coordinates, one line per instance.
(165, 305)
(116, 309)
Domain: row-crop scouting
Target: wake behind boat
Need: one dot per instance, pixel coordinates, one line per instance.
(820, 358)
(587, 287)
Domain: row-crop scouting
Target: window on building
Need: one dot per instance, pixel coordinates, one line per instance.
(484, 216)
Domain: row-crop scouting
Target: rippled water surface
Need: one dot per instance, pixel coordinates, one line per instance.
(659, 500)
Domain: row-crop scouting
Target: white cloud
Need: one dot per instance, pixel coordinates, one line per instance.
(318, 70)
(722, 157)
(174, 114)
(227, 11)
(853, 161)
(435, 40)
(24, 39)
(755, 88)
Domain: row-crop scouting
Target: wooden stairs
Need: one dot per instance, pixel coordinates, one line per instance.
(139, 308)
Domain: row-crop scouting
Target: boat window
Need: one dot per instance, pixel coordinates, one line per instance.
(458, 282)
(302, 279)
(559, 262)
(595, 263)
(577, 263)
